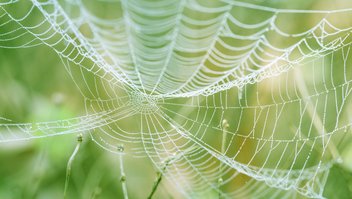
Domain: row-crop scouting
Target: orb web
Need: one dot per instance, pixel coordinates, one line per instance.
(176, 69)
(143, 103)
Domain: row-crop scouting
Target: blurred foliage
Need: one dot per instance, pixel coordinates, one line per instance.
(36, 87)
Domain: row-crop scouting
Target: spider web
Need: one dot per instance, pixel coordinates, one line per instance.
(177, 70)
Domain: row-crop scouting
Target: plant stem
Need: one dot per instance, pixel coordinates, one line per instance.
(317, 122)
(69, 163)
(225, 125)
(160, 176)
(123, 175)
(168, 161)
